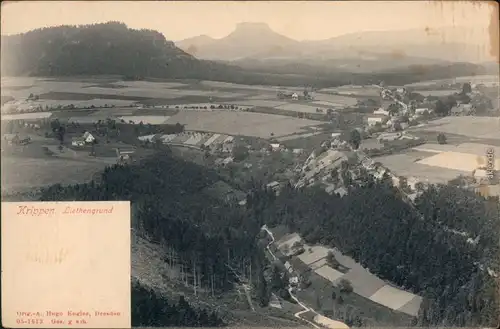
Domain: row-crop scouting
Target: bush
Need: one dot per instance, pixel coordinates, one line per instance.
(441, 138)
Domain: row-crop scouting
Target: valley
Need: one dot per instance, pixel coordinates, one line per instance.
(273, 182)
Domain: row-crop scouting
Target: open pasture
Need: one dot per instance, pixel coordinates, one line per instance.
(262, 96)
(241, 123)
(148, 84)
(352, 90)
(472, 127)
(26, 116)
(24, 174)
(256, 102)
(297, 108)
(337, 99)
(228, 85)
(406, 164)
(488, 80)
(329, 104)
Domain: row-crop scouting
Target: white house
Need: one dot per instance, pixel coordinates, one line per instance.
(273, 185)
(293, 280)
(336, 135)
(288, 267)
(88, 137)
(422, 110)
(379, 173)
(295, 96)
(275, 146)
(372, 121)
(340, 191)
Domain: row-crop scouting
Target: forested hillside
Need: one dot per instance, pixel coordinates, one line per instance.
(151, 310)
(211, 242)
(216, 241)
(109, 48)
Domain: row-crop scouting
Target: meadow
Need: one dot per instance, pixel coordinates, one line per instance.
(472, 127)
(241, 123)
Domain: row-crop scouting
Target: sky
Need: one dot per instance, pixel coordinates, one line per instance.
(300, 20)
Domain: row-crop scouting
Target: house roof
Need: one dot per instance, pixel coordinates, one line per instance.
(273, 184)
(341, 190)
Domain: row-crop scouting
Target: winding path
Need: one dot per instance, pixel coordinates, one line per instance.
(305, 308)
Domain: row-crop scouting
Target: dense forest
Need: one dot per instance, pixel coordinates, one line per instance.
(215, 242)
(114, 49)
(151, 310)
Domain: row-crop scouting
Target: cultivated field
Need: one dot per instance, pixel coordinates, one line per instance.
(350, 90)
(407, 164)
(297, 108)
(472, 127)
(457, 161)
(336, 99)
(26, 116)
(489, 80)
(23, 174)
(241, 123)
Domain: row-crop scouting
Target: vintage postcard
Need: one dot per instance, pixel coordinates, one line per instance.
(320, 164)
(66, 264)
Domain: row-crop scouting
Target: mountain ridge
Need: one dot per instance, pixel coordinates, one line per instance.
(261, 42)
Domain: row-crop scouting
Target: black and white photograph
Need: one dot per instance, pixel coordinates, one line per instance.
(312, 164)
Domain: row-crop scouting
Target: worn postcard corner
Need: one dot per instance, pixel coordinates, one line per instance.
(66, 264)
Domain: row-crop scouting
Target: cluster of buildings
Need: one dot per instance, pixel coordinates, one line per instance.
(200, 140)
(364, 283)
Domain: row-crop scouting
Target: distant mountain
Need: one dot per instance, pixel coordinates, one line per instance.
(257, 41)
(191, 45)
(109, 48)
(247, 40)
